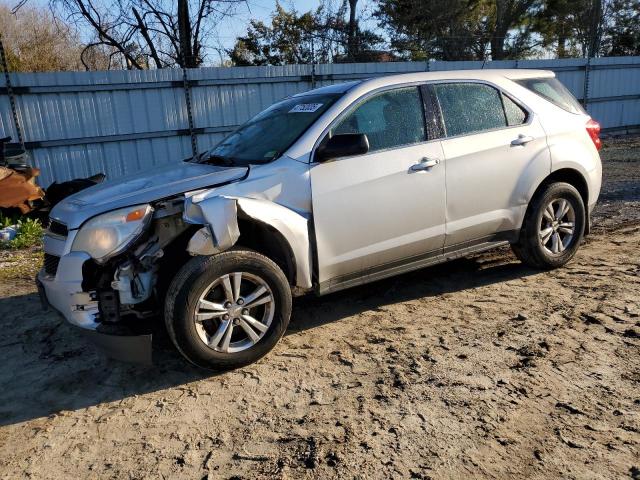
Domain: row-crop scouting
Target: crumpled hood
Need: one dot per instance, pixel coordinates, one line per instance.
(142, 187)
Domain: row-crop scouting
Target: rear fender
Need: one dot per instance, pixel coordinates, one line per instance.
(220, 217)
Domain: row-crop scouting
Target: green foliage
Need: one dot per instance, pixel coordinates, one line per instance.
(286, 41)
(435, 29)
(622, 34)
(459, 29)
(29, 232)
(510, 29)
(318, 36)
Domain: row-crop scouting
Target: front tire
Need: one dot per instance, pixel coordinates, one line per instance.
(227, 310)
(553, 227)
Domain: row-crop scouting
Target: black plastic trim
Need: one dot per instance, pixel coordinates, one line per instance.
(417, 262)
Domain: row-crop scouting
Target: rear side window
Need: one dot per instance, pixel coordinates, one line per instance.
(469, 107)
(551, 89)
(390, 119)
(514, 113)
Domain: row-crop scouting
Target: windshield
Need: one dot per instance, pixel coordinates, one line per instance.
(270, 133)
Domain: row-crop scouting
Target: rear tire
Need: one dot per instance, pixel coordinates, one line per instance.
(227, 310)
(553, 227)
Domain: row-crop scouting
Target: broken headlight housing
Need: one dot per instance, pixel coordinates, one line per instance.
(108, 234)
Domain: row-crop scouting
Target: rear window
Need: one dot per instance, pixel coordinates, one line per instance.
(551, 89)
(514, 113)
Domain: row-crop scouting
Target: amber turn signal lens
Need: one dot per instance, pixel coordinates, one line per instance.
(135, 215)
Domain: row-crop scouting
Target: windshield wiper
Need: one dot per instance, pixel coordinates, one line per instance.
(218, 159)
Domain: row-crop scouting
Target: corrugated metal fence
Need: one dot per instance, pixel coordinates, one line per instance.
(76, 124)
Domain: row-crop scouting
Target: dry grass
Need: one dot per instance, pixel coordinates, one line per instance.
(20, 264)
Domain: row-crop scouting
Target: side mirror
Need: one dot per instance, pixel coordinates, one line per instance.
(343, 146)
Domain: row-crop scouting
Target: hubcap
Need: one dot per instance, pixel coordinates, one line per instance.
(557, 226)
(234, 312)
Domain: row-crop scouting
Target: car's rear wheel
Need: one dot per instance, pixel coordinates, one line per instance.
(553, 227)
(227, 310)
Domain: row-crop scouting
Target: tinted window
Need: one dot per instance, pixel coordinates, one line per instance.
(389, 119)
(554, 91)
(515, 114)
(469, 107)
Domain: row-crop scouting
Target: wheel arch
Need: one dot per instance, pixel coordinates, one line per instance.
(261, 225)
(574, 178)
(265, 239)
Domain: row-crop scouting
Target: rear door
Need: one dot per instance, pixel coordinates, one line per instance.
(492, 144)
(386, 206)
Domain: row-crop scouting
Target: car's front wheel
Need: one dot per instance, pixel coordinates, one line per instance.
(227, 310)
(553, 227)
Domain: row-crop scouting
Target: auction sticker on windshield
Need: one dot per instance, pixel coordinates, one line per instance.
(305, 108)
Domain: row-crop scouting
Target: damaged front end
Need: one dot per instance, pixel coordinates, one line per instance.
(109, 276)
(109, 273)
(221, 216)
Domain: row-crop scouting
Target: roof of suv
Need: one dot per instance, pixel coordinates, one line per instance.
(489, 75)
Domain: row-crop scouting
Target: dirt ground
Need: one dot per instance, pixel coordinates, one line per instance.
(480, 368)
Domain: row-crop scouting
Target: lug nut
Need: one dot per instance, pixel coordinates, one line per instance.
(240, 301)
(236, 321)
(245, 311)
(227, 304)
(225, 316)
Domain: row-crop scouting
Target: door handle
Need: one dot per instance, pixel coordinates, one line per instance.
(425, 164)
(522, 140)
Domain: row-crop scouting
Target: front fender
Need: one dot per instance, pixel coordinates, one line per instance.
(220, 216)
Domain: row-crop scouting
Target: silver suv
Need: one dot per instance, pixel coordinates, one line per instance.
(325, 190)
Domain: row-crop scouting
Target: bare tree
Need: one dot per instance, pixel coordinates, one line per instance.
(36, 41)
(145, 33)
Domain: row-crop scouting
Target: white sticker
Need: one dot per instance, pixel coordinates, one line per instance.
(305, 108)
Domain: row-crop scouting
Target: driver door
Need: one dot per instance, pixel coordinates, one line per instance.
(375, 212)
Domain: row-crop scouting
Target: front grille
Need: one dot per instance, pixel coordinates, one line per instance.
(58, 228)
(51, 263)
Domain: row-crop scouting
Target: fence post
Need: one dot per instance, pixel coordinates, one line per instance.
(313, 61)
(187, 97)
(585, 93)
(12, 100)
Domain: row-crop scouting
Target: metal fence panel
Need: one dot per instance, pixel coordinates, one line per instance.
(76, 124)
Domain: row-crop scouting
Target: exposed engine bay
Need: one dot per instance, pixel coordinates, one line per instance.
(132, 285)
(127, 284)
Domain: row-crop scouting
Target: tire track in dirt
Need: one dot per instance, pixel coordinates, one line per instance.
(477, 368)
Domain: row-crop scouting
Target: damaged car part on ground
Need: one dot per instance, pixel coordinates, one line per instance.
(325, 190)
(18, 189)
(19, 193)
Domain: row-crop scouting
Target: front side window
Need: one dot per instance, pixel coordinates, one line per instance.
(270, 133)
(389, 119)
(469, 107)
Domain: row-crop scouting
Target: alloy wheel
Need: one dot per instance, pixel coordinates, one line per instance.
(557, 226)
(234, 312)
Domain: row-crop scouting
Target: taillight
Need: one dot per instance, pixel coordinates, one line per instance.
(593, 129)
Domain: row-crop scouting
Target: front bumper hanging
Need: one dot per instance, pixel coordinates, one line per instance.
(118, 342)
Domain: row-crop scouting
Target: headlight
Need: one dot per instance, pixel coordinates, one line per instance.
(110, 233)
